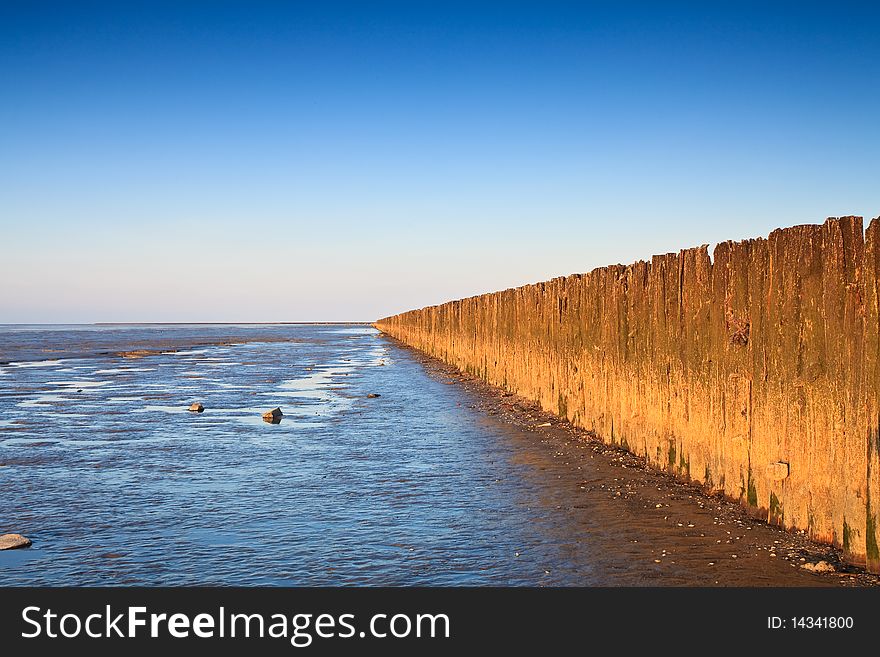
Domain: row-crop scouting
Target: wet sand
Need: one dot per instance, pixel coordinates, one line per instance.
(681, 525)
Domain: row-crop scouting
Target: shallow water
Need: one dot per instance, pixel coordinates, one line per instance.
(117, 483)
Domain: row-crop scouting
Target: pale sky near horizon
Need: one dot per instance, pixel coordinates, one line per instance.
(241, 161)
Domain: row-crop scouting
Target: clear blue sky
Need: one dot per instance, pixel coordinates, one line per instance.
(331, 161)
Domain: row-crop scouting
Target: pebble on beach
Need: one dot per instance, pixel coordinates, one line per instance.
(13, 541)
(819, 567)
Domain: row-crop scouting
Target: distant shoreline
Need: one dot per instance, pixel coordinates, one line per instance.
(225, 323)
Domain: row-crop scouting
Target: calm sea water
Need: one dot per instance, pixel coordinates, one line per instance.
(117, 483)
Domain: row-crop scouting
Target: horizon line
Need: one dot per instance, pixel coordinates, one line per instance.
(344, 323)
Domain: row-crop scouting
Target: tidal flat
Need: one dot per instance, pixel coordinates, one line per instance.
(387, 468)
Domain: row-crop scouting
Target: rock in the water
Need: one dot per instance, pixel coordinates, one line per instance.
(196, 407)
(274, 416)
(820, 567)
(13, 541)
(137, 353)
(373, 395)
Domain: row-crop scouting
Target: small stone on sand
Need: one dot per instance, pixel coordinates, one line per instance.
(820, 567)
